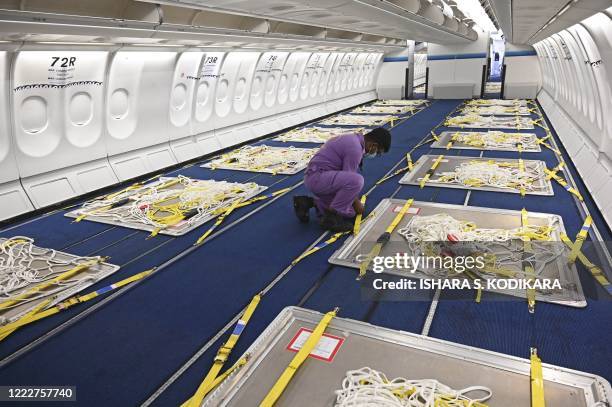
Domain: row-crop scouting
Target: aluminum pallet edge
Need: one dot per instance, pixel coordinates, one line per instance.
(450, 162)
(371, 229)
(366, 344)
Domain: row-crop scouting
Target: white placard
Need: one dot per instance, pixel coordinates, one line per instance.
(325, 350)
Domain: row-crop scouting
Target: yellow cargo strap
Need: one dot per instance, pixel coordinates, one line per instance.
(318, 247)
(12, 242)
(43, 286)
(552, 174)
(409, 163)
(527, 248)
(68, 303)
(323, 244)
(383, 239)
(222, 355)
(452, 140)
(537, 382)
(357, 224)
(241, 362)
(422, 143)
(431, 171)
(7, 330)
(283, 381)
(595, 271)
(408, 167)
(472, 276)
(580, 238)
(238, 204)
(538, 122)
(219, 220)
(130, 188)
(521, 166)
(434, 136)
(542, 141)
(113, 195)
(101, 209)
(262, 197)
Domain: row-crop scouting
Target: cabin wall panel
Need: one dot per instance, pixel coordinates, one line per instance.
(232, 97)
(58, 123)
(138, 111)
(577, 97)
(451, 66)
(13, 199)
(523, 78)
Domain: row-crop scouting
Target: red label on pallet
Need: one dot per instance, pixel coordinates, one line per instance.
(325, 350)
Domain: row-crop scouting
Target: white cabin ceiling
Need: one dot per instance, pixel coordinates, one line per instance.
(420, 20)
(529, 21)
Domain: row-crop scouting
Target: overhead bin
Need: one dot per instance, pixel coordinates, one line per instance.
(409, 5)
(385, 18)
(431, 12)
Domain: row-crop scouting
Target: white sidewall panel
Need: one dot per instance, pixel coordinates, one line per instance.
(204, 94)
(137, 112)
(13, 200)
(58, 106)
(182, 97)
(138, 100)
(233, 88)
(8, 164)
(264, 89)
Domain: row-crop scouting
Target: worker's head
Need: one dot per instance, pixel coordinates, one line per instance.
(377, 141)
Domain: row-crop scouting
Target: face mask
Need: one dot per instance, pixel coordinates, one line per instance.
(371, 155)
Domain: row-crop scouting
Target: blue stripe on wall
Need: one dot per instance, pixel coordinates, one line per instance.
(456, 56)
(395, 59)
(520, 53)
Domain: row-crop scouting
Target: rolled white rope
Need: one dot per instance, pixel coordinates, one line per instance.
(208, 197)
(367, 387)
(493, 174)
(22, 264)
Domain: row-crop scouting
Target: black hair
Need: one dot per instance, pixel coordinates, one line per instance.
(380, 136)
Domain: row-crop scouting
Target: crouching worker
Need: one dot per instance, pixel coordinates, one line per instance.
(333, 178)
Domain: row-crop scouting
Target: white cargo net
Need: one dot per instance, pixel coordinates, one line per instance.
(494, 122)
(503, 248)
(496, 110)
(172, 202)
(493, 87)
(388, 109)
(356, 120)
(274, 160)
(367, 387)
(496, 139)
(399, 102)
(497, 174)
(498, 102)
(317, 134)
(28, 272)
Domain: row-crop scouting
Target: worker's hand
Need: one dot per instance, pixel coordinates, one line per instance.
(358, 207)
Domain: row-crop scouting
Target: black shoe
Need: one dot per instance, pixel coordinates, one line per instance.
(335, 223)
(301, 206)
